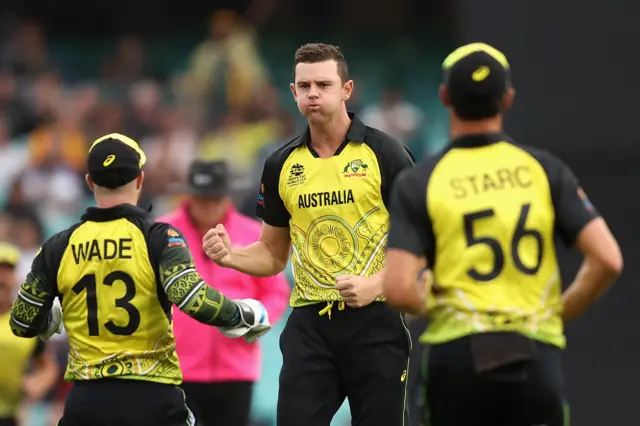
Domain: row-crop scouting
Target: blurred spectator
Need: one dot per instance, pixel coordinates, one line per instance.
(395, 116)
(53, 182)
(28, 55)
(241, 137)
(13, 157)
(129, 63)
(170, 150)
(62, 141)
(27, 234)
(225, 70)
(5, 226)
(45, 96)
(19, 117)
(141, 116)
(287, 133)
(219, 373)
(106, 118)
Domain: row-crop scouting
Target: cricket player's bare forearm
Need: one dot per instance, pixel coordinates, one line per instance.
(266, 257)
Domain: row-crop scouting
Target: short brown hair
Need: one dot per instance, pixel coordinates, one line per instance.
(312, 53)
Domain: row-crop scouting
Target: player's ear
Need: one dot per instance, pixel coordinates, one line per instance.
(140, 179)
(347, 90)
(507, 99)
(89, 182)
(292, 86)
(444, 95)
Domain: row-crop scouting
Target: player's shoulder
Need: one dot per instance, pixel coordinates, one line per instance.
(164, 229)
(60, 240)
(275, 161)
(53, 249)
(551, 163)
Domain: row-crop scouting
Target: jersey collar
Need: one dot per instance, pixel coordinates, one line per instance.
(478, 140)
(96, 214)
(354, 134)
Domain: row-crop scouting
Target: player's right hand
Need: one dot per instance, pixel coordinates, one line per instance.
(55, 321)
(217, 245)
(254, 321)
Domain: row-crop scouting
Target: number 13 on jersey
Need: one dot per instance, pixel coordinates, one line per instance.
(125, 310)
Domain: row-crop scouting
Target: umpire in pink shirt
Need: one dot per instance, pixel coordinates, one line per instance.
(219, 373)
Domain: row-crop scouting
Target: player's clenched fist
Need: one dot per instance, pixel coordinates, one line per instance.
(217, 245)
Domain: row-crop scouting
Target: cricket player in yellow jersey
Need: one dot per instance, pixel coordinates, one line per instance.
(483, 215)
(16, 354)
(117, 274)
(325, 194)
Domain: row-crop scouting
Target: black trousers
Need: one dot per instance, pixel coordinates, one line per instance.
(217, 404)
(8, 421)
(415, 398)
(118, 402)
(359, 354)
(520, 393)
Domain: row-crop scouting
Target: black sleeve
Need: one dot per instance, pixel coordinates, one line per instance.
(393, 157)
(270, 207)
(573, 210)
(182, 284)
(411, 228)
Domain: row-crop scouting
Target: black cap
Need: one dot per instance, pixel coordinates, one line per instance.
(477, 77)
(209, 178)
(115, 160)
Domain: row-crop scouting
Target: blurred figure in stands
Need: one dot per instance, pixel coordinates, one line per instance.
(226, 70)
(27, 233)
(16, 354)
(219, 373)
(128, 64)
(395, 116)
(28, 51)
(19, 116)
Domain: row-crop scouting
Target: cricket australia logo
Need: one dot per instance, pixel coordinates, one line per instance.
(296, 175)
(355, 168)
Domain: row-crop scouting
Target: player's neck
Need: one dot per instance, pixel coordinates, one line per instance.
(327, 137)
(463, 128)
(106, 202)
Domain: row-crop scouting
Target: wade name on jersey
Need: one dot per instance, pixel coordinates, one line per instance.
(106, 249)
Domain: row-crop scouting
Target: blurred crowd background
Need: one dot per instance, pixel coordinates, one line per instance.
(210, 80)
(214, 88)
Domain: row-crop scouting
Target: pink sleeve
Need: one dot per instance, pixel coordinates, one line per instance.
(274, 294)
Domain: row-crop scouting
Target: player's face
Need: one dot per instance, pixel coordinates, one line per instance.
(319, 91)
(207, 212)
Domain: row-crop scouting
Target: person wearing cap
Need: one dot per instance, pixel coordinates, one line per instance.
(219, 373)
(16, 355)
(483, 214)
(117, 274)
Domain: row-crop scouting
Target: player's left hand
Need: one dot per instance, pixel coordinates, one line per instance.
(358, 291)
(254, 321)
(55, 321)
